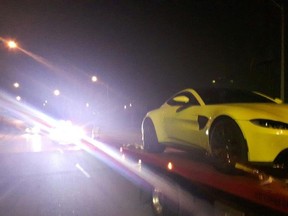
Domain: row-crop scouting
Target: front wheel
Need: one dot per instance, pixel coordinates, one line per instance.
(228, 145)
(150, 140)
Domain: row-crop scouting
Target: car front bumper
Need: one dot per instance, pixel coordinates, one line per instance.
(264, 144)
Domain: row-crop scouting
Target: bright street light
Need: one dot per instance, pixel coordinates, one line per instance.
(12, 44)
(56, 92)
(94, 78)
(16, 85)
(9, 43)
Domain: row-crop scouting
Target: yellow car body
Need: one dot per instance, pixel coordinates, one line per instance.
(188, 118)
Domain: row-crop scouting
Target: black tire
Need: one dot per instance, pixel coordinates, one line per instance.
(281, 161)
(150, 141)
(228, 145)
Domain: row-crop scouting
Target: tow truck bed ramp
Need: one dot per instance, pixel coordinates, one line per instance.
(253, 186)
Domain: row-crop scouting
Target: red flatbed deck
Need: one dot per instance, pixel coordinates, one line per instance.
(269, 192)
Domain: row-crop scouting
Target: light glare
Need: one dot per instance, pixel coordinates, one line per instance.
(56, 92)
(66, 133)
(12, 44)
(16, 85)
(94, 79)
(170, 166)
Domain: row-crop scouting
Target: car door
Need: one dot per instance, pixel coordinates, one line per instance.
(181, 119)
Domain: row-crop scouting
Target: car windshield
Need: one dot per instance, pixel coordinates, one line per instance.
(222, 95)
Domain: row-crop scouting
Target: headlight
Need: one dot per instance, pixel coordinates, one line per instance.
(66, 132)
(270, 124)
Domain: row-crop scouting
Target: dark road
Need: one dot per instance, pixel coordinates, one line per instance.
(39, 177)
(57, 182)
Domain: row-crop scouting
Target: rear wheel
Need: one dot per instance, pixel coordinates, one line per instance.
(150, 140)
(228, 145)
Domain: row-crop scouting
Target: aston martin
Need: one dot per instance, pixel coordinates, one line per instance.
(230, 125)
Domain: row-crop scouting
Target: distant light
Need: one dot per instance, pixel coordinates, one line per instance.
(87, 105)
(213, 81)
(45, 103)
(18, 98)
(12, 44)
(56, 92)
(126, 106)
(16, 85)
(94, 78)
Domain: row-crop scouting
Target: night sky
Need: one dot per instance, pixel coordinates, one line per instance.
(144, 51)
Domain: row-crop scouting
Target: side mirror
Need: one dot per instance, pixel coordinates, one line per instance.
(181, 99)
(278, 101)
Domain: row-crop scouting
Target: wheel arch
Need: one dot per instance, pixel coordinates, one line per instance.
(155, 123)
(146, 118)
(220, 118)
(281, 159)
(150, 138)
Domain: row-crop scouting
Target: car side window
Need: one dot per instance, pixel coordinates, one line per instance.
(183, 98)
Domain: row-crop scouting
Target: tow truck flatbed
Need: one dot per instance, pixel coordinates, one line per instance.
(252, 185)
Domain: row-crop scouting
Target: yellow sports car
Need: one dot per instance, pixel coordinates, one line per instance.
(231, 125)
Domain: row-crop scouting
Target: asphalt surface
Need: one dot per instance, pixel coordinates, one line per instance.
(42, 178)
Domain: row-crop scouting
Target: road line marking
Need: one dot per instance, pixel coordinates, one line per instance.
(82, 170)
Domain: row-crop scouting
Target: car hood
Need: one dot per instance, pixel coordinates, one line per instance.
(250, 111)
